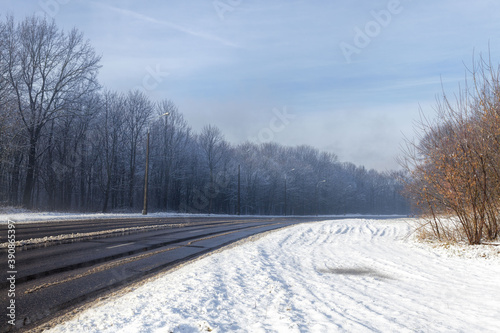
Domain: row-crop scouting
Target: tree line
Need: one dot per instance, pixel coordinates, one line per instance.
(68, 144)
(455, 161)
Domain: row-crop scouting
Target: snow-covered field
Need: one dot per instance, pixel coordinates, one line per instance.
(336, 276)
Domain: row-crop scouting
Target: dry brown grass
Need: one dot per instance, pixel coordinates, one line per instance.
(443, 228)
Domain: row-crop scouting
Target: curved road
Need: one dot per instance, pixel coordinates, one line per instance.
(60, 265)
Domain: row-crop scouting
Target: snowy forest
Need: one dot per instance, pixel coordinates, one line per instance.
(67, 143)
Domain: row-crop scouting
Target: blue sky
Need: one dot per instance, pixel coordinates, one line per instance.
(347, 77)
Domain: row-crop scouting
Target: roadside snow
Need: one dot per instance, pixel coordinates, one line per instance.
(90, 235)
(464, 250)
(25, 216)
(336, 276)
(31, 217)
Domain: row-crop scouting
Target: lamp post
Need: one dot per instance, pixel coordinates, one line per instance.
(145, 206)
(317, 195)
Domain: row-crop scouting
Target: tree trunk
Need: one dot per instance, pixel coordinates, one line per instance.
(14, 192)
(30, 174)
(106, 195)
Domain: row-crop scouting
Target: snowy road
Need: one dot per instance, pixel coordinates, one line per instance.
(347, 275)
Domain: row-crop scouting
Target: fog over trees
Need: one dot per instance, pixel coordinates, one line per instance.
(66, 143)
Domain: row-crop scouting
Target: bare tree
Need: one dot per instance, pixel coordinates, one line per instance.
(170, 137)
(214, 148)
(138, 111)
(46, 69)
(110, 139)
(4, 83)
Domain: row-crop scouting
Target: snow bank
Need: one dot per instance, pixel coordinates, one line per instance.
(25, 216)
(337, 276)
(90, 235)
(28, 216)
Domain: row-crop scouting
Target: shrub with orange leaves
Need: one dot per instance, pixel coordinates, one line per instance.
(455, 161)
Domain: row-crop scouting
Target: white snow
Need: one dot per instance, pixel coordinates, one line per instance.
(31, 217)
(25, 216)
(336, 276)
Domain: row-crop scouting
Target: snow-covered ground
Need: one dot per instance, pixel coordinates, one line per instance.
(28, 216)
(336, 276)
(25, 216)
